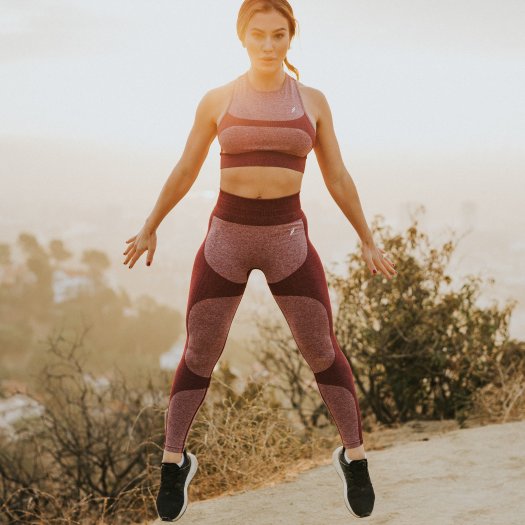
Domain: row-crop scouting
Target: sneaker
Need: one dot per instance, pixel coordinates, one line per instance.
(358, 492)
(172, 498)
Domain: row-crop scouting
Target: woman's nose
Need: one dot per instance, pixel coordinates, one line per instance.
(268, 44)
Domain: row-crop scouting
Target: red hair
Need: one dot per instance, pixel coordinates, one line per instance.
(250, 7)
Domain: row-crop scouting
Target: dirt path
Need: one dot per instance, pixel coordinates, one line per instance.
(469, 476)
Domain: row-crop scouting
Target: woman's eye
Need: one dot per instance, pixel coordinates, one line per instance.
(259, 36)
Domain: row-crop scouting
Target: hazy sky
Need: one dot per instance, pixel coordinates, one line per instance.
(425, 75)
(98, 97)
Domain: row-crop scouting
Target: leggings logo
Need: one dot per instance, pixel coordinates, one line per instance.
(293, 229)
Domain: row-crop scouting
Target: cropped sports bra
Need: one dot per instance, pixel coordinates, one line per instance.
(265, 128)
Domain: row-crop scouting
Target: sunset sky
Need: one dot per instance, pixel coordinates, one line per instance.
(98, 98)
(432, 75)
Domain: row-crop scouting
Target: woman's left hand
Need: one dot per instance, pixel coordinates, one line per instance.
(375, 260)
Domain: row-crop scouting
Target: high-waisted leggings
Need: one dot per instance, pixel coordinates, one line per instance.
(270, 235)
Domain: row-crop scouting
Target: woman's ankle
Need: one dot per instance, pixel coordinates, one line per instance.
(171, 457)
(356, 452)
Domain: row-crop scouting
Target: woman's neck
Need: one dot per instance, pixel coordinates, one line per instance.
(266, 81)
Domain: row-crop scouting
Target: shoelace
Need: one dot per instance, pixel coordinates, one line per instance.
(171, 477)
(359, 473)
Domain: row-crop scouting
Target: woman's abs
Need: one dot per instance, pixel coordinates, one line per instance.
(261, 182)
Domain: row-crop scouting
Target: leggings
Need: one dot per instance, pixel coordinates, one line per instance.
(272, 236)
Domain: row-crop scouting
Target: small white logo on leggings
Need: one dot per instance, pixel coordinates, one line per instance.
(292, 231)
(293, 109)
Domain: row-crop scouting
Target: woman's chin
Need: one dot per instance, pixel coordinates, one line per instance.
(267, 66)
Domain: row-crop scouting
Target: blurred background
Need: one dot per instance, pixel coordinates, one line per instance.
(97, 100)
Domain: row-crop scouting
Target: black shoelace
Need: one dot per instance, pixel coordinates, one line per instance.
(171, 477)
(359, 473)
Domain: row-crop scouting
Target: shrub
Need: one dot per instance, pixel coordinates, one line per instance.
(94, 452)
(418, 348)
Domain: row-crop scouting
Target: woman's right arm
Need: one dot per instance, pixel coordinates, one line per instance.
(181, 178)
(186, 170)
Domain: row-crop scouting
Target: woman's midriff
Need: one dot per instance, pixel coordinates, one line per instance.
(261, 182)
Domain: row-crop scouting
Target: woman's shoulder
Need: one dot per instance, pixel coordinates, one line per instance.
(222, 89)
(314, 100)
(310, 91)
(215, 100)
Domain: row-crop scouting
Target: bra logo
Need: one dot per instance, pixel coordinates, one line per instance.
(293, 229)
(293, 109)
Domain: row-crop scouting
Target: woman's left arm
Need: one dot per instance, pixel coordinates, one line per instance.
(342, 188)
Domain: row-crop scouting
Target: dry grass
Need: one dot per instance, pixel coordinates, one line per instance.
(243, 440)
(502, 400)
(246, 440)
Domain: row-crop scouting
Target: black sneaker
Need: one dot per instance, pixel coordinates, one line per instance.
(358, 492)
(172, 498)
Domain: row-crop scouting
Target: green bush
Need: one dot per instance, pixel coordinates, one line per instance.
(419, 348)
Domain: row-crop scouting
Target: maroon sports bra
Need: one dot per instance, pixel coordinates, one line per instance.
(265, 128)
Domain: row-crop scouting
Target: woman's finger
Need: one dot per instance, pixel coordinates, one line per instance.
(387, 271)
(149, 258)
(135, 258)
(381, 267)
(390, 263)
(371, 266)
(386, 258)
(138, 255)
(132, 238)
(130, 254)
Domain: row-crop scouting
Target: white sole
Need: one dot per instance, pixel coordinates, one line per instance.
(193, 469)
(337, 466)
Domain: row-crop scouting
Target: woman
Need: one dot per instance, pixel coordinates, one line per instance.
(266, 123)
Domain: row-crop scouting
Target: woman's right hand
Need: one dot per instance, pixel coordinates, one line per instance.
(138, 244)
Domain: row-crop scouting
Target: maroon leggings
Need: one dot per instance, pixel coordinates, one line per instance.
(272, 236)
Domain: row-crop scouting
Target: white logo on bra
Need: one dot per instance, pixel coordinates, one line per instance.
(292, 230)
(293, 109)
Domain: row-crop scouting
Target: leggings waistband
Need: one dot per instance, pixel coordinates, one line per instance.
(246, 210)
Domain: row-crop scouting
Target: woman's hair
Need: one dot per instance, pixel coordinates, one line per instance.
(250, 7)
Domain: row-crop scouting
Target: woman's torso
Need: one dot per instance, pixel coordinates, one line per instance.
(262, 182)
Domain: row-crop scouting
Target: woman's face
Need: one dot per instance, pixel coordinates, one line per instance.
(267, 36)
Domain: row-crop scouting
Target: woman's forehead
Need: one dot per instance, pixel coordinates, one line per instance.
(268, 21)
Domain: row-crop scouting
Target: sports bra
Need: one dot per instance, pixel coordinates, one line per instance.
(265, 128)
